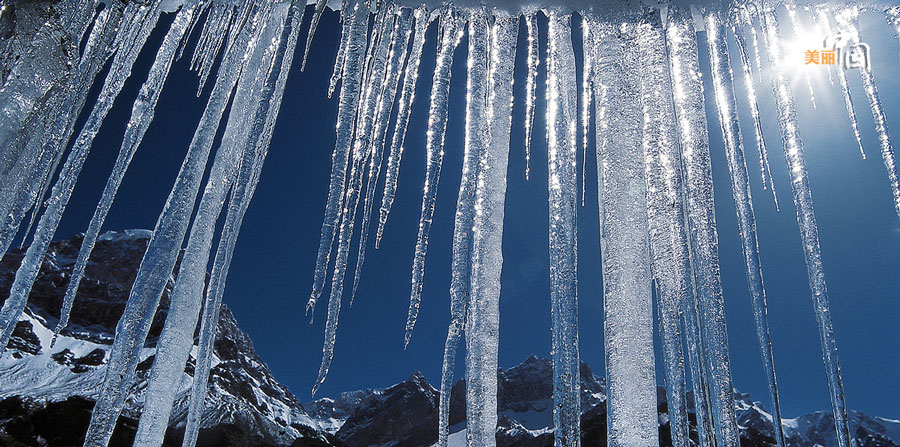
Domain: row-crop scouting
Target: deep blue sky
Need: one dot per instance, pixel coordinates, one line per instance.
(272, 269)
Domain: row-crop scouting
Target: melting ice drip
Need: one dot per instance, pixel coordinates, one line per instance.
(641, 84)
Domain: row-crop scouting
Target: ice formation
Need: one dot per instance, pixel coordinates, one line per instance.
(639, 72)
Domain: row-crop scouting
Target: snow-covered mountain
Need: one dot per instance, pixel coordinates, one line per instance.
(378, 416)
(46, 393)
(245, 405)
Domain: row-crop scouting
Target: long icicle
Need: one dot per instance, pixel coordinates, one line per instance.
(562, 154)
(245, 186)
(452, 27)
(806, 220)
(628, 320)
(141, 23)
(711, 299)
(530, 85)
(483, 315)
(376, 60)
(159, 258)
(845, 88)
(340, 158)
(396, 55)
(670, 262)
(726, 104)
(407, 95)
(141, 116)
(687, 92)
(767, 180)
(848, 21)
(475, 145)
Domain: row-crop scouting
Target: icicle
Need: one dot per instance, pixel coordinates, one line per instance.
(476, 143)
(317, 15)
(451, 32)
(407, 95)
(346, 31)
(256, 93)
(587, 73)
(530, 85)
(483, 315)
(798, 31)
(399, 39)
(340, 158)
(765, 171)
(705, 249)
(848, 20)
(628, 325)
(159, 259)
(670, 260)
(687, 92)
(562, 154)
(375, 64)
(806, 219)
(743, 201)
(141, 23)
(845, 88)
(141, 115)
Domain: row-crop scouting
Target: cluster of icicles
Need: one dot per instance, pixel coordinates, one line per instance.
(641, 83)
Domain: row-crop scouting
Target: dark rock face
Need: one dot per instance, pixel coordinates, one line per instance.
(405, 416)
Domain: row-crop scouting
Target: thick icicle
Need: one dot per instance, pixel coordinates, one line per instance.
(375, 63)
(723, 85)
(407, 95)
(628, 321)
(670, 259)
(754, 113)
(141, 115)
(847, 20)
(140, 24)
(245, 186)
(531, 66)
(161, 254)
(476, 143)
(845, 88)
(349, 99)
(562, 154)
(483, 314)
(452, 27)
(396, 55)
(247, 121)
(806, 219)
(687, 92)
